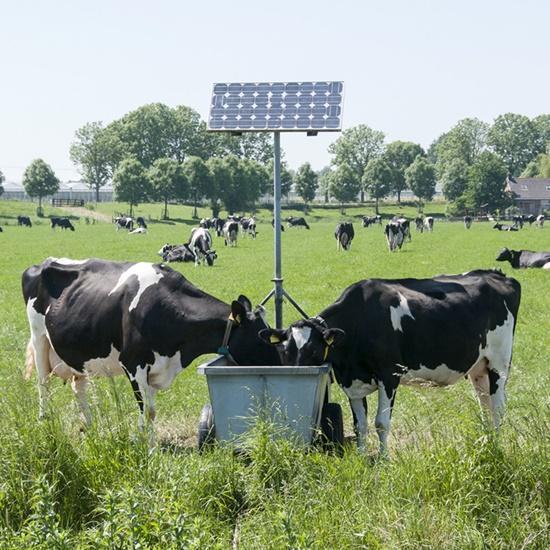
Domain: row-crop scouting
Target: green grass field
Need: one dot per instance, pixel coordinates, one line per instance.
(449, 483)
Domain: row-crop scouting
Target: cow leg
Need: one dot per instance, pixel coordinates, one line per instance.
(359, 410)
(480, 381)
(386, 398)
(497, 385)
(79, 385)
(148, 394)
(41, 360)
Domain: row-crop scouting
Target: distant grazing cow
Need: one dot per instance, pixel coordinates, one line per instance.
(24, 220)
(518, 221)
(530, 219)
(344, 235)
(431, 332)
(540, 220)
(367, 221)
(504, 227)
(429, 223)
(201, 245)
(273, 225)
(293, 221)
(394, 235)
(141, 222)
(217, 224)
(230, 232)
(206, 223)
(248, 226)
(234, 217)
(103, 318)
(124, 222)
(419, 223)
(468, 222)
(524, 258)
(64, 223)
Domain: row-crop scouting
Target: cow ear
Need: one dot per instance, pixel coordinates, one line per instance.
(245, 302)
(273, 336)
(238, 312)
(333, 336)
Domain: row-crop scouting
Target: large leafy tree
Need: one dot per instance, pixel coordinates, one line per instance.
(39, 180)
(516, 140)
(377, 179)
(355, 148)
(325, 177)
(542, 126)
(306, 182)
(250, 145)
(486, 183)
(538, 168)
(168, 182)
(287, 178)
(199, 180)
(96, 151)
(399, 155)
(131, 182)
(454, 179)
(343, 185)
(420, 176)
(187, 134)
(464, 141)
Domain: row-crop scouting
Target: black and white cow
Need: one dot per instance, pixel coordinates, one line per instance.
(539, 220)
(503, 227)
(367, 221)
(64, 223)
(177, 253)
(206, 223)
(530, 219)
(293, 221)
(518, 221)
(201, 245)
(217, 224)
(419, 224)
(429, 223)
(141, 222)
(468, 222)
(24, 220)
(381, 333)
(248, 226)
(406, 227)
(273, 225)
(524, 258)
(124, 222)
(344, 235)
(101, 318)
(394, 235)
(230, 232)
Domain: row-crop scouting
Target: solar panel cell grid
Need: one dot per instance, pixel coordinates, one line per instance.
(269, 106)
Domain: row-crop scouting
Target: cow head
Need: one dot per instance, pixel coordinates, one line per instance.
(306, 343)
(245, 344)
(504, 255)
(210, 257)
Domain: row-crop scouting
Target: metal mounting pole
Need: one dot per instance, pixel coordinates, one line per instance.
(277, 279)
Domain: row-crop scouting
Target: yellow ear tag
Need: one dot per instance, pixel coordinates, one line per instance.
(231, 318)
(330, 341)
(274, 339)
(238, 319)
(325, 355)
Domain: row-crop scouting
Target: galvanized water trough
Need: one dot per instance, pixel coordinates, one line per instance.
(293, 398)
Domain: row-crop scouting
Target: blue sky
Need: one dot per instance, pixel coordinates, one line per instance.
(411, 68)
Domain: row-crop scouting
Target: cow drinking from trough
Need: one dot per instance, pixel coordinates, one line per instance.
(381, 333)
(102, 318)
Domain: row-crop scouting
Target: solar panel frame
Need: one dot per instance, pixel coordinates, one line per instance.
(266, 111)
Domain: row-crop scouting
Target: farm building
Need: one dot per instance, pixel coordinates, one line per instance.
(531, 195)
(67, 190)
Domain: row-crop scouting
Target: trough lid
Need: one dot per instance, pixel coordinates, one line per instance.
(261, 370)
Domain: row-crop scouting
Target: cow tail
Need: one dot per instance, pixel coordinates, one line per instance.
(29, 361)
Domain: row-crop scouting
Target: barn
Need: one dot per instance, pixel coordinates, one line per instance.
(531, 195)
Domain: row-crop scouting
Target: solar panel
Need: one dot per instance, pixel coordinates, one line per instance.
(276, 106)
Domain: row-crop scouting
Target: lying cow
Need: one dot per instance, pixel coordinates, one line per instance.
(24, 221)
(230, 232)
(124, 222)
(63, 223)
(293, 221)
(138, 231)
(524, 258)
(344, 235)
(468, 222)
(177, 253)
(103, 318)
(381, 333)
(503, 227)
(394, 235)
(201, 245)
